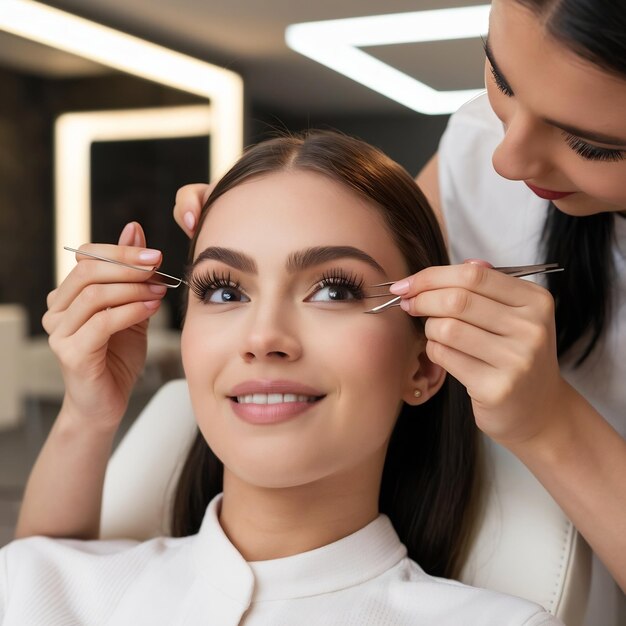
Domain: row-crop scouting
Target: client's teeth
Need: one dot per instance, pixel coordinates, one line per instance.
(273, 398)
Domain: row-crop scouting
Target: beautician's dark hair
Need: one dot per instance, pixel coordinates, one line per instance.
(429, 487)
(596, 31)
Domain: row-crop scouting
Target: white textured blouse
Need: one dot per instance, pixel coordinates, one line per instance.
(363, 579)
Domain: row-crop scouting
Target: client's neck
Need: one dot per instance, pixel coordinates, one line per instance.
(270, 523)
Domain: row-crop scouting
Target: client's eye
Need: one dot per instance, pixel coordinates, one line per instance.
(215, 288)
(337, 286)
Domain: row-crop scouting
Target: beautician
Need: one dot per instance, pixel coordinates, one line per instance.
(536, 171)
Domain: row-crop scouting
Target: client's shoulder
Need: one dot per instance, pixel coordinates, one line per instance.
(449, 602)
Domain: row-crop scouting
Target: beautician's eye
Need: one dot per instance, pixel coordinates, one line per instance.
(337, 286)
(215, 288)
(592, 153)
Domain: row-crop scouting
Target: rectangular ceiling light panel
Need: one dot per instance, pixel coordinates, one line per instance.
(337, 44)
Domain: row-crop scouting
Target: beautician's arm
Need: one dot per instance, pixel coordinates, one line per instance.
(496, 335)
(579, 458)
(97, 321)
(64, 491)
(428, 181)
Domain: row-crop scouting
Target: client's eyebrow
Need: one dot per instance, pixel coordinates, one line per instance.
(310, 257)
(237, 260)
(297, 261)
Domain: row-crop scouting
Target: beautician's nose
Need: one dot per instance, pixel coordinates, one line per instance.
(271, 334)
(524, 153)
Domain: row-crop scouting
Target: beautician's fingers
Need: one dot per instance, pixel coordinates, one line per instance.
(189, 202)
(471, 277)
(95, 298)
(516, 354)
(75, 351)
(88, 271)
(456, 303)
(510, 403)
(132, 235)
(488, 387)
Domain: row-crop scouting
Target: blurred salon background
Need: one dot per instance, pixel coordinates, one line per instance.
(158, 120)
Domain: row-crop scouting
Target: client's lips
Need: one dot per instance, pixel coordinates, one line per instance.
(548, 194)
(272, 401)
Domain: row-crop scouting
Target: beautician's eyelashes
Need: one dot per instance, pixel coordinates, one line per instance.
(216, 288)
(592, 153)
(500, 83)
(337, 286)
(581, 147)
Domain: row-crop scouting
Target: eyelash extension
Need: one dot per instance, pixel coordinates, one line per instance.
(500, 84)
(592, 153)
(340, 278)
(210, 281)
(497, 79)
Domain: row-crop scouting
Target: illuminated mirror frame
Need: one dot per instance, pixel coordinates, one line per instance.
(131, 55)
(73, 135)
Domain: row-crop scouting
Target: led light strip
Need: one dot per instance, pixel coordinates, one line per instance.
(73, 135)
(336, 43)
(67, 32)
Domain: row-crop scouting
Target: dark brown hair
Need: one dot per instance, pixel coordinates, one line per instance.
(428, 483)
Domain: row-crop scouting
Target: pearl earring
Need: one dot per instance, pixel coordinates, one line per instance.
(417, 393)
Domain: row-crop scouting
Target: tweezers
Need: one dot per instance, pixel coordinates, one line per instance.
(159, 278)
(517, 270)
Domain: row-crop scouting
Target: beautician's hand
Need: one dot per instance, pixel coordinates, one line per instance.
(97, 321)
(189, 202)
(496, 335)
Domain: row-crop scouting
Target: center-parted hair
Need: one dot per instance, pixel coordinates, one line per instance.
(429, 479)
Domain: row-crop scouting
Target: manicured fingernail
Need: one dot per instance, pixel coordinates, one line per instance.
(404, 305)
(152, 304)
(190, 220)
(478, 262)
(127, 235)
(401, 287)
(158, 289)
(149, 256)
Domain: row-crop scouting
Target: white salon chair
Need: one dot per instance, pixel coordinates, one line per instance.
(525, 546)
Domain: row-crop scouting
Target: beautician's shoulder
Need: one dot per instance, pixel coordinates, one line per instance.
(454, 603)
(475, 116)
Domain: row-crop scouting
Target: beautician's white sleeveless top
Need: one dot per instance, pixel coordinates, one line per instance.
(501, 221)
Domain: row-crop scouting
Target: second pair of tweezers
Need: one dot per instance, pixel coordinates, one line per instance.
(518, 270)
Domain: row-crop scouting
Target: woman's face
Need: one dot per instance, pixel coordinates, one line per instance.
(290, 381)
(565, 118)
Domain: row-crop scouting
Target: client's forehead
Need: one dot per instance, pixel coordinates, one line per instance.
(282, 212)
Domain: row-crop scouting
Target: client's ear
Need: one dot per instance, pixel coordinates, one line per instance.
(425, 381)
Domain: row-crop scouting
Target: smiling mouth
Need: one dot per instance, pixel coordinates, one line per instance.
(275, 398)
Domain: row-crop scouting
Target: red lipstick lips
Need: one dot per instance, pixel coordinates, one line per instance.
(548, 194)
